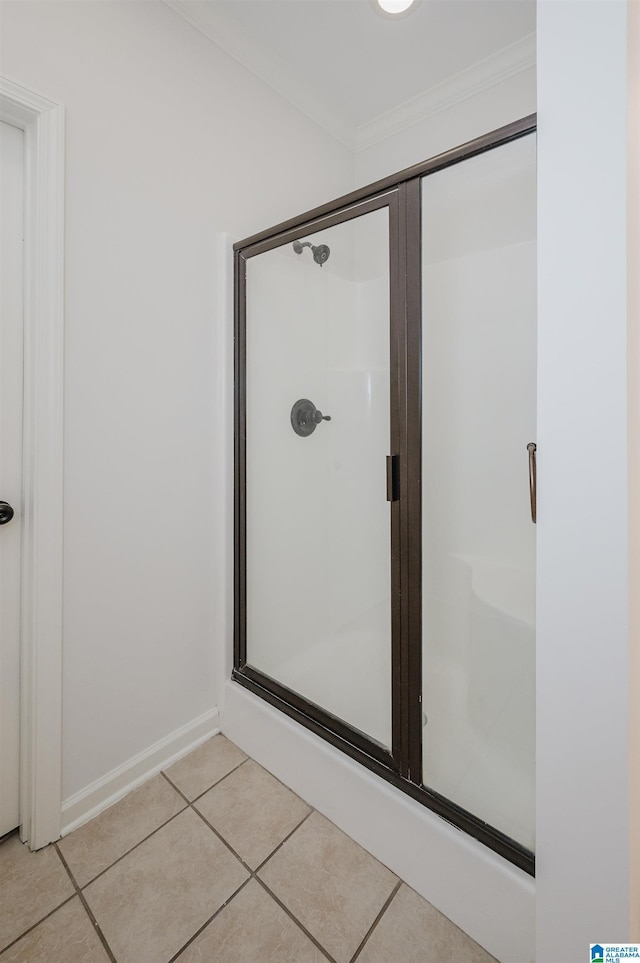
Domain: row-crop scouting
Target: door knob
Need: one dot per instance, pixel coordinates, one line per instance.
(6, 513)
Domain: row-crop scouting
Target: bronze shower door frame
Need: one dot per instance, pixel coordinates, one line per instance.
(402, 766)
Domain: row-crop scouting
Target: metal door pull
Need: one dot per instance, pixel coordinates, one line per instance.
(393, 478)
(533, 480)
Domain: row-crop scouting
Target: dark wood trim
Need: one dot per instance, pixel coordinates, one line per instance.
(401, 505)
(240, 459)
(337, 215)
(397, 272)
(496, 138)
(509, 849)
(396, 328)
(321, 720)
(412, 522)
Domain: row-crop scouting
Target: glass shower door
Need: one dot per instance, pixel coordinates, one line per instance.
(317, 585)
(478, 416)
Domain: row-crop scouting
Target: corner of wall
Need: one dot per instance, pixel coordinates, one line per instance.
(582, 649)
(104, 792)
(481, 111)
(223, 466)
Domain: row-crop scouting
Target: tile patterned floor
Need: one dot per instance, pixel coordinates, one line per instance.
(214, 861)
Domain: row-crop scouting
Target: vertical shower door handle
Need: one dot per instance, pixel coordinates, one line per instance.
(393, 478)
(533, 480)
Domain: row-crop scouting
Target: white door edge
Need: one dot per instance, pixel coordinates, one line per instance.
(41, 639)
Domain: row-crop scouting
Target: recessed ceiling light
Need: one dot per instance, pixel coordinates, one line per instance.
(395, 7)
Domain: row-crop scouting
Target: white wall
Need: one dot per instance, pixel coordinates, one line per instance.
(169, 143)
(582, 650)
(471, 117)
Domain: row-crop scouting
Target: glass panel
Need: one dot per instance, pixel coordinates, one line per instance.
(479, 413)
(318, 526)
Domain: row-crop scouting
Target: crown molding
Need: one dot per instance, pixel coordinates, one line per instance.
(273, 71)
(234, 40)
(487, 73)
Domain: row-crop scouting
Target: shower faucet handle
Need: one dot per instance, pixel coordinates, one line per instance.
(318, 416)
(305, 417)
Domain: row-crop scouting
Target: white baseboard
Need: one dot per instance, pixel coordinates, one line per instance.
(104, 792)
(487, 897)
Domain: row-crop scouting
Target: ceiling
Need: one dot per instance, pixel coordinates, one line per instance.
(360, 74)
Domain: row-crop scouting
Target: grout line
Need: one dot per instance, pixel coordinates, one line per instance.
(209, 788)
(188, 805)
(222, 840)
(252, 874)
(236, 854)
(88, 909)
(129, 851)
(210, 920)
(173, 786)
(286, 909)
(222, 778)
(36, 924)
(281, 844)
(384, 909)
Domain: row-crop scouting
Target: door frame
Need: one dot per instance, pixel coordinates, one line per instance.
(43, 123)
(341, 734)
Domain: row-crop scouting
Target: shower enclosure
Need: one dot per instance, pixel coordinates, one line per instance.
(385, 479)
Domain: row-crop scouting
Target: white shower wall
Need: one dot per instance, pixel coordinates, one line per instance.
(318, 569)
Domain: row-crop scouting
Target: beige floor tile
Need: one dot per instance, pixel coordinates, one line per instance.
(67, 936)
(203, 767)
(252, 929)
(31, 886)
(253, 811)
(150, 903)
(413, 931)
(96, 845)
(333, 886)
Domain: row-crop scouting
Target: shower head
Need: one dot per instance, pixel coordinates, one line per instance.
(320, 253)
